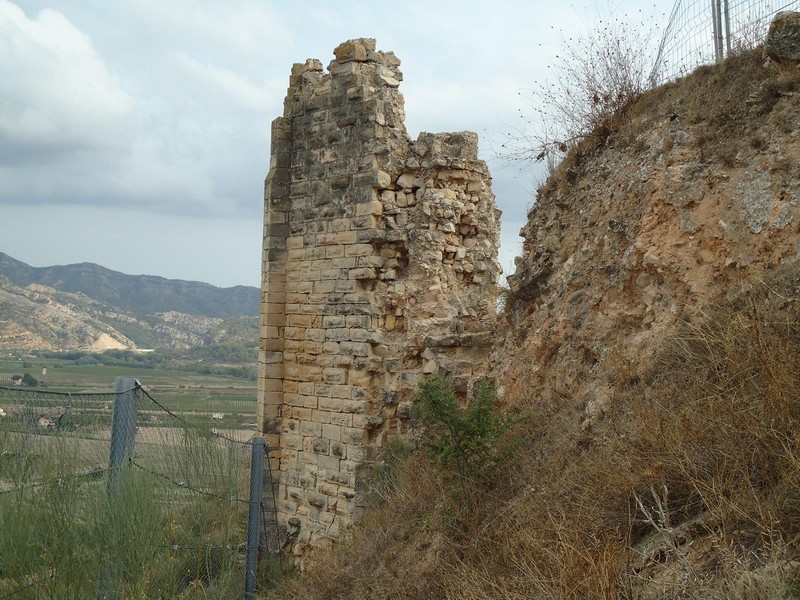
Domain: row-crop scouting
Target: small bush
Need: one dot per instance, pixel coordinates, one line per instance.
(461, 440)
(596, 78)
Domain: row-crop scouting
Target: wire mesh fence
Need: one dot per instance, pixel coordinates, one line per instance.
(700, 32)
(113, 495)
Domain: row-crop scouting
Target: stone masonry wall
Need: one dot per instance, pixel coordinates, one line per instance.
(379, 267)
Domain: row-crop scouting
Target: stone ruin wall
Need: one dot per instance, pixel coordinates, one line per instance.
(379, 268)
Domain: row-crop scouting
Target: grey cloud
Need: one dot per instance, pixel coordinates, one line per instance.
(58, 95)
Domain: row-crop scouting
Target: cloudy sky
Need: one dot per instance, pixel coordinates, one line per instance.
(135, 133)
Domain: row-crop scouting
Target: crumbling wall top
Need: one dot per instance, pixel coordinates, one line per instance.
(309, 79)
(457, 150)
(363, 50)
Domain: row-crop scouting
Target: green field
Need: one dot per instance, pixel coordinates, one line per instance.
(194, 397)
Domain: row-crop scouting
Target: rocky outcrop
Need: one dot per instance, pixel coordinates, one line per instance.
(783, 38)
(38, 317)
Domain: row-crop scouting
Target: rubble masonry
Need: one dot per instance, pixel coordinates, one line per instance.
(379, 267)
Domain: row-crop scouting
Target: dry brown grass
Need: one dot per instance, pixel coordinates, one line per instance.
(717, 428)
(397, 549)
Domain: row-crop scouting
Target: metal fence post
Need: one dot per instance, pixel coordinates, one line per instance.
(123, 423)
(123, 439)
(727, 13)
(258, 453)
(716, 19)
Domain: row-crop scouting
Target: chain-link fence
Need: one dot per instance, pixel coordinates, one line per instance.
(113, 495)
(700, 32)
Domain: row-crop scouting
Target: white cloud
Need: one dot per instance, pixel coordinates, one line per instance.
(245, 27)
(56, 94)
(244, 91)
(457, 105)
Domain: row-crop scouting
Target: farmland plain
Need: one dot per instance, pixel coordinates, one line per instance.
(223, 402)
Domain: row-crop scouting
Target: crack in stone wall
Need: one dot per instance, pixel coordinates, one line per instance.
(379, 268)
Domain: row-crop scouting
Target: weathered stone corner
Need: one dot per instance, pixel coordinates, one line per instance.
(358, 49)
(379, 268)
(783, 38)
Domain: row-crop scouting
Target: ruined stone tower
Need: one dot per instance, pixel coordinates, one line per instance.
(379, 267)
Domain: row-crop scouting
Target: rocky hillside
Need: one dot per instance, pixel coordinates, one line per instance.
(696, 197)
(35, 316)
(140, 294)
(650, 354)
(32, 319)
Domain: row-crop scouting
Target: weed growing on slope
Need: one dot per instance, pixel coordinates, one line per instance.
(594, 80)
(463, 440)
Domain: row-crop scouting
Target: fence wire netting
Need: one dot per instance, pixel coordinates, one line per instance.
(168, 520)
(691, 38)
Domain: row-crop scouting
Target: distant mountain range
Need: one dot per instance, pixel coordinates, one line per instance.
(87, 306)
(142, 294)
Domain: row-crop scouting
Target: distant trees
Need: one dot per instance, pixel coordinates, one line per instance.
(236, 358)
(27, 380)
(238, 351)
(225, 352)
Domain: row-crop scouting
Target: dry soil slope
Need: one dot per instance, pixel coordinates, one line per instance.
(696, 196)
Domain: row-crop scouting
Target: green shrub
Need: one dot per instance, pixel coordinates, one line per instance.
(462, 440)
